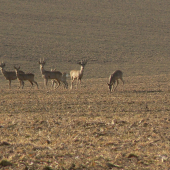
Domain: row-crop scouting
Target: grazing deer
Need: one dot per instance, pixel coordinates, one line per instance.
(63, 80)
(115, 77)
(54, 75)
(24, 77)
(9, 75)
(78, 74)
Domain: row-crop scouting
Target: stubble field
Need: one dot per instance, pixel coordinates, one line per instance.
(88, 127)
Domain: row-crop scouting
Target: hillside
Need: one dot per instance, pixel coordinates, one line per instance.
(132, 36)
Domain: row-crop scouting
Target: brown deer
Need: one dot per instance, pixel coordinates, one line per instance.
(63, 80)
(78, 74)
(24, 77)
(54, 75)
(9, 75)
(115, 78)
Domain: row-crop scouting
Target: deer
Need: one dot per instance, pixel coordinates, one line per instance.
(77, 74)
(24, 77)
(63, 80)
(46, 75)
(9, 75)
(115, 78)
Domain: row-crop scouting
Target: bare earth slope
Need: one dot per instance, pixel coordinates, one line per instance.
(129, 35)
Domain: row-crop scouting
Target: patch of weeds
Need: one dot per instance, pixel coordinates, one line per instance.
(72, 167)
(47, 168)
(27, 136)
(33, 167)
(4, 144)
(110, 165)
(5, 163)
(133, 156)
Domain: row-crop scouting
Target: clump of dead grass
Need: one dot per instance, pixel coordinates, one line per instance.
(85, 129)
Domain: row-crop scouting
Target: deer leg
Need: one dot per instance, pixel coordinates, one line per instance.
(72, 83)
(62, 82)
(55, 84)
(116, 85)
(9, 84)
(80, 82)
(122, 80)
(58, 84)
(65, 85)
(77, 83)
(52, 81)
(31, 83)
(45, 82)
(111, 87)
(20, 84)
(36, 83)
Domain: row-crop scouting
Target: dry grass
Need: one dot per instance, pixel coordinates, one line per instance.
(87, 128)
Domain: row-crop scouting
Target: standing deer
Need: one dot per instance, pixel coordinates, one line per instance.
(63, 80)
(78, 74)
(54, 75)
(9, 75)
(115, 77)
(24, 77)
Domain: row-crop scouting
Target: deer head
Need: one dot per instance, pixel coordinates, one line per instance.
(17, 68)
(82, 63)
(2, 64)
(110, 86)
(42, 62)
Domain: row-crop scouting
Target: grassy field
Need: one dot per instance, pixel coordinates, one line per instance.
(88, 127)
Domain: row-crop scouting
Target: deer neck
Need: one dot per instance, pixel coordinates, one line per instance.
(17, 72)
(81, 70)
(3, 71)
(42, 69)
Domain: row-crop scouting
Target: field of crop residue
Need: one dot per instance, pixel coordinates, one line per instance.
(86, 128)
